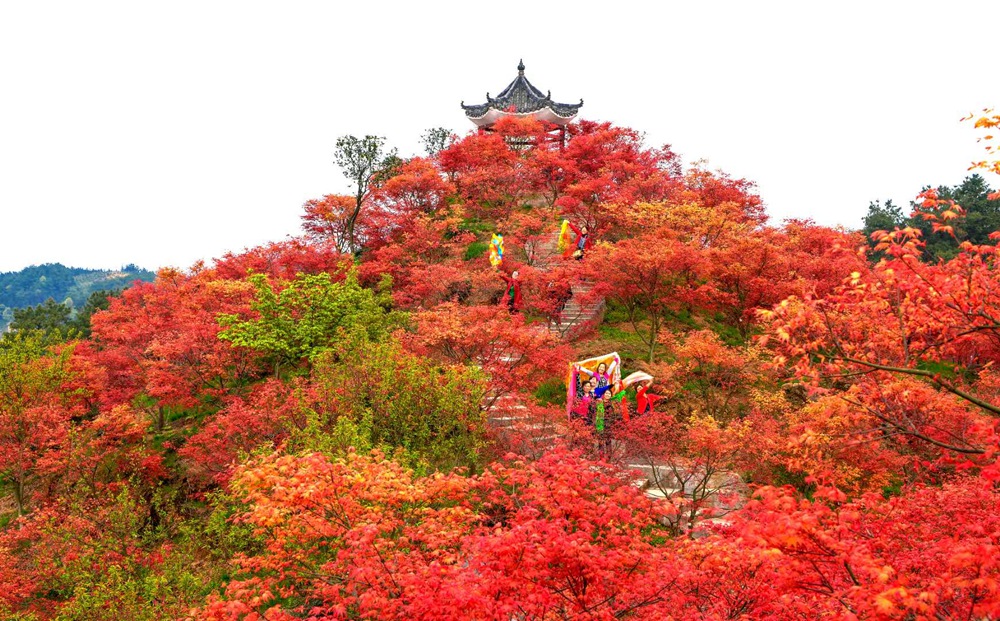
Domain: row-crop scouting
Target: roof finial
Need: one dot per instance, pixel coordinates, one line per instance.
(520, 67)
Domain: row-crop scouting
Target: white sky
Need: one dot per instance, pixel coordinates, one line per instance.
(163, 133)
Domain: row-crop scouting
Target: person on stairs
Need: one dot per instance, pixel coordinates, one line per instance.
(512, 294)
(559, 295)
(580, 245)
(606, 416)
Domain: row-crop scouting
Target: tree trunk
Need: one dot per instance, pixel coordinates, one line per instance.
(654, 331)
(19, 496)
(349, 227)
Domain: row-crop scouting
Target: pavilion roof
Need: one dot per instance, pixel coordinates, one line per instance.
(521, 97)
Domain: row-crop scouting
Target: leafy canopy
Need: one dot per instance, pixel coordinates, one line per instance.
(299, 319)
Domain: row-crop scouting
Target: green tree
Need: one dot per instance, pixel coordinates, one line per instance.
(35, 284)
(98, 301)
(365, 162)
(882, 218)
(401, 402)
(436, 139)
(50, 320)
(982, 217)
(299, 319)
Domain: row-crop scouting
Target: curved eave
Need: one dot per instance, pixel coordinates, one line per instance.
(546, 114)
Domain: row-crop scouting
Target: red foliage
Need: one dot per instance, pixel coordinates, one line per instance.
(282, 260)
(694, 463)
(160, 339)
(416, 187)
(887, 425)
(890, 323)
(325, 219)
(564, 537)
(651, 275)
(75, 541)
(426, 264)
(516, 356)
(264, 418)
(758, 268)
(35, 422)
(604, 166)
(487, 173)
(931, 553)
(557, 537)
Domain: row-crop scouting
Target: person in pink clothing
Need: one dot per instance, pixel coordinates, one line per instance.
(583, 405)
(603, 374)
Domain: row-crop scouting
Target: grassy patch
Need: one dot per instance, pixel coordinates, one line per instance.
(729, 334)
(893, 489)
(614, 312)
(623, 339)
(551, 392)
(475, 225)
(476, 250)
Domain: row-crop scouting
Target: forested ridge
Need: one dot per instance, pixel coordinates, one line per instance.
(72, 286)
(391, 417)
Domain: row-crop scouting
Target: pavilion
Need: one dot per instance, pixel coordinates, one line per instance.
(522, 99)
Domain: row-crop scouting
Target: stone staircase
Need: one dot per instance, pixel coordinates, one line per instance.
(702, 497)
(521, 429)
(516, 424)
(581, 310)
(579, 314)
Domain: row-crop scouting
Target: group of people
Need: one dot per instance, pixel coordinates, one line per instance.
(601, 402)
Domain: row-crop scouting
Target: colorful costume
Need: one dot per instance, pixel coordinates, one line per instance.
(496, 250)
(618, 397)
(603, 379)
(564, 240)
(512, 294)
(586, 369)
(606, 417)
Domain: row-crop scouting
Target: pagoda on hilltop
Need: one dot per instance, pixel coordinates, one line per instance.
(521, 99)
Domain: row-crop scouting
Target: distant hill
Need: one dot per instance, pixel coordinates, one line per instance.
(33, 285)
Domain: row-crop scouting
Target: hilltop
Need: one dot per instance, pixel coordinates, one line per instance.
(646, 401)
(71, 285)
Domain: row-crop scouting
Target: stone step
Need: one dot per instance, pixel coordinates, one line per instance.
(536, 427)
(546, 440)
(662, 493)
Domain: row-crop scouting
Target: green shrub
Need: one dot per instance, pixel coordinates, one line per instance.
(476, 250)
(551, 392)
